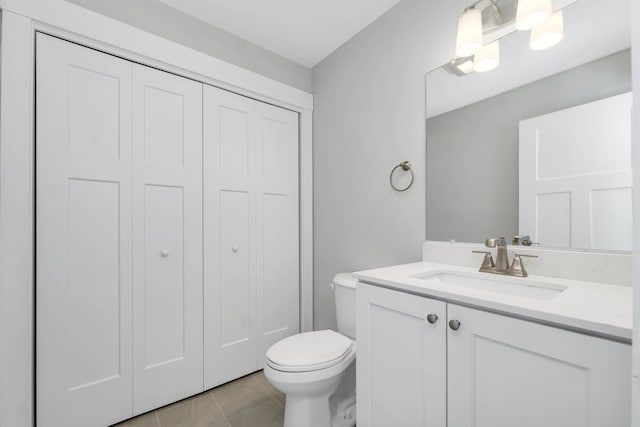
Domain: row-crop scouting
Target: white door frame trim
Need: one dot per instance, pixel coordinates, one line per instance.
(20, 21)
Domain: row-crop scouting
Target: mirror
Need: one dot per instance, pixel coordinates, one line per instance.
(473, 126)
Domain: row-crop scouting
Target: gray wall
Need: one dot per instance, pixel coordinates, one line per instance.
(368, 117)
(162, 20)
(472, 154)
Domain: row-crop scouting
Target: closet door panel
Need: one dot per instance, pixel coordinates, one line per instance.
(233, 149)
(279, 263)
(83, 229)
(278, 149)
(93, 126)
(229, 237)
(167, 245)
(235, 290)
(164, 142)
(93, 311)
(278, 227)
(164, 314)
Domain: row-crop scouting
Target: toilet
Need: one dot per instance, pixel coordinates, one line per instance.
(317, 370)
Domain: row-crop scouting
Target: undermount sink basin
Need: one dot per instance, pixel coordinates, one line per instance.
(507, 285)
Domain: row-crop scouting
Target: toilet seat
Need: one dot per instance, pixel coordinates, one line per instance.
(309, 351)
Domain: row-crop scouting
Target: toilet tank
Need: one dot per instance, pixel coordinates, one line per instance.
(344, 295)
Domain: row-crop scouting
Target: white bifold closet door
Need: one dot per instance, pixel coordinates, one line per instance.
(84, 259)
(167, 239)
(251, 273)
(118, 246)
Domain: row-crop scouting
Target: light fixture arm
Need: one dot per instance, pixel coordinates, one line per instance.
(473, 5)
(497, 10)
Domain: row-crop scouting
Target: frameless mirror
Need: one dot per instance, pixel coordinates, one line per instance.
(481, 184)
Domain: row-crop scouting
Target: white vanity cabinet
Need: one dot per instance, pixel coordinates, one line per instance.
(503, 371)
(402, 359)
(495, 370)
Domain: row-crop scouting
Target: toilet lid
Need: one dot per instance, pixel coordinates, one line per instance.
(309, 351)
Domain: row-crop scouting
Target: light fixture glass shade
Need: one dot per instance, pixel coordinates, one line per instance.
(487, 58)
(469, 38)
(547, 34)
(531, 13)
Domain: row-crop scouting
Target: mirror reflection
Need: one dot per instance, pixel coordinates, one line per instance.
(539, 145)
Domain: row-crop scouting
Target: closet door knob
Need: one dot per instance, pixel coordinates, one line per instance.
(235, 249)
(432, 318)
(164, 253)
(454, 324)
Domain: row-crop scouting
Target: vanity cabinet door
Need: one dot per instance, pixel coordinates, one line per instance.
(505, 372)
(401, 366)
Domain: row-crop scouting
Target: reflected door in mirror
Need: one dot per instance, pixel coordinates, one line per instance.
(575, 176)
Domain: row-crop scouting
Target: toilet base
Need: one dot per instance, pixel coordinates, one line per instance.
(311, 411)
(319, 398)
(315, 412)
(308, 402)
(345, 417)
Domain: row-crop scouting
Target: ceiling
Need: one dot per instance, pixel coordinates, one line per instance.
(304, 31)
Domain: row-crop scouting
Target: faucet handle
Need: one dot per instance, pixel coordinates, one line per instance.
(523, 240)
(482, 252)
(517, 267)
(487, 262)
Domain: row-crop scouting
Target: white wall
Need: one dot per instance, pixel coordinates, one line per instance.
(369, 114)
(160, 19)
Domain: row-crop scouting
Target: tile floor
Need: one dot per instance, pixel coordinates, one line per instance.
(246, 402)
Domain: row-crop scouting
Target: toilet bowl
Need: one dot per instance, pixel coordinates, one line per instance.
(316, 370)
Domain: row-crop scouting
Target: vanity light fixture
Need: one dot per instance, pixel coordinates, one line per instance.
(469, 37)
(487, 58)
(459, 66)
(466, 67)
(493, 19)
(547, 34)
(531, 13)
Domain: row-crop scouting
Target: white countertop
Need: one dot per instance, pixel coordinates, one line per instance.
(598, 308)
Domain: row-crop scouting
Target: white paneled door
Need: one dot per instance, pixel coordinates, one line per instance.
(119, 237)
(83, 227)
(575, 176)
(251, 276)
(277, 256)
(167, 242)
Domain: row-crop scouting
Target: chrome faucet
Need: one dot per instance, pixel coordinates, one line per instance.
(501, 265)
(502, 259)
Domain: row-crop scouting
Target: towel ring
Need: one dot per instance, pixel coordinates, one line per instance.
(406, 166)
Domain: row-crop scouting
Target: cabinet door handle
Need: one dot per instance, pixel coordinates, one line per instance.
(432, 318)
(454, 324)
